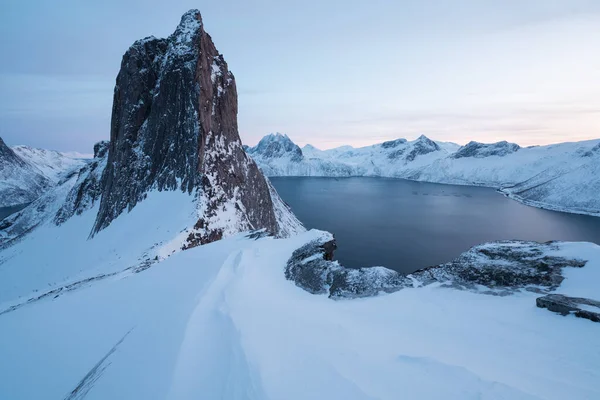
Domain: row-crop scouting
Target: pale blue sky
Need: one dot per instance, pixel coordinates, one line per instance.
(324, 72)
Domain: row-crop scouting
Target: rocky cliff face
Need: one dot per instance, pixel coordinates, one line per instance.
(174, 127)
(87, 190)
(481, 150)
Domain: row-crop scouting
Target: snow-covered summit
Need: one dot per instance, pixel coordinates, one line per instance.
(276, 145)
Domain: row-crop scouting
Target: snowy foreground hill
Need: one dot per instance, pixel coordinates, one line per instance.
(562, 177)
(167, 267)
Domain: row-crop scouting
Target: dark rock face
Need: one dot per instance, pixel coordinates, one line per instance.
(276, 145)
(423, 145)
(174, 127)
(480, 150)
(565, 305)
(500, 267)
(393, 143)
(396, 154)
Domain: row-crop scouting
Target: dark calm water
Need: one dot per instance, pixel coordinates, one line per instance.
(407, 225)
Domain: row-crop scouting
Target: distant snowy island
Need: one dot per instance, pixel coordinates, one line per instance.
(562, 177)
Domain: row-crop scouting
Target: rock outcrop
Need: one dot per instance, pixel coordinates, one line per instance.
(312, 268)
(565, 305)
(481, 150)
(497, 268)
(393, 143)
(174, 127)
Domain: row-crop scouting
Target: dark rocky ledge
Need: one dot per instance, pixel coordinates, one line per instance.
(497, 268)
(565, 305)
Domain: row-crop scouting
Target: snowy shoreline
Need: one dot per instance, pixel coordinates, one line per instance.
(562, 177)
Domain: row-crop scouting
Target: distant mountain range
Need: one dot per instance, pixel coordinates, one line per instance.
(26, 173)
(562, 177)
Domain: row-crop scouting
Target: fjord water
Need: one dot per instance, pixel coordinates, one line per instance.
(406, 225)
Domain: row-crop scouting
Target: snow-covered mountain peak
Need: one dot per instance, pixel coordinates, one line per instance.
(174, 128)
(481, 150)
(277, 145)
(309, 147)
(423, 145)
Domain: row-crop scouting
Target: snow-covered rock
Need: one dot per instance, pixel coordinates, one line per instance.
(492, 268)
(565, 305)
(481, 150)
(561, 177)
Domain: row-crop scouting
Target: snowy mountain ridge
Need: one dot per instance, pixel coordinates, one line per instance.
(26, 173)
(560, 177)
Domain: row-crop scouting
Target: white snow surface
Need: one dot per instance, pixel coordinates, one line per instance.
(562, 176)
(52, 164)
(221, 321)
(39, 171)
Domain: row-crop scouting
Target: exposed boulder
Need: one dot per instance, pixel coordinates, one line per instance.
(481, 150)
(565, 305)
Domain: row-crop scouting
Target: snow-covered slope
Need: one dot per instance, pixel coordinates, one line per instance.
(221, 321)
(26, 173)
(20, 182)
(559, 176)
(53, 165)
